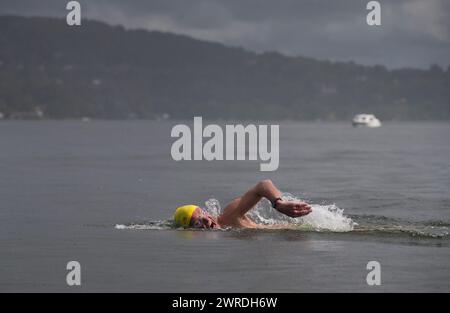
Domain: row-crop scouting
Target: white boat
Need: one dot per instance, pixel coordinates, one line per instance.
(368, 120)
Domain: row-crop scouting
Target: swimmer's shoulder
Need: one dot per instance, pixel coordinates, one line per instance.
(225, 220)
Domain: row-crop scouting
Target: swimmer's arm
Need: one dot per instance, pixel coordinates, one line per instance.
(264, 189)
(240, 206)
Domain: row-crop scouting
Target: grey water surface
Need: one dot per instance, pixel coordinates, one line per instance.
(64, 185)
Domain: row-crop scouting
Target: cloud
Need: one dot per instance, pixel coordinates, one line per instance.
(428, 17)
(413, 32)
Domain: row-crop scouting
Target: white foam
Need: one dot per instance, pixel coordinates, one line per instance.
(156, 225)
(213, 207)
(327, 217)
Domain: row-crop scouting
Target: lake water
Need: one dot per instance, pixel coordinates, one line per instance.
(99, 193)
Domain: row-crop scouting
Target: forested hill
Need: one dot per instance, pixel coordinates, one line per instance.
(104, 71)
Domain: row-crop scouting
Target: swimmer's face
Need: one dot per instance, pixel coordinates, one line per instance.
(202, 219)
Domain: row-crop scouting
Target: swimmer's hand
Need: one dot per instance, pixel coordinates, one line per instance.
(293, 208)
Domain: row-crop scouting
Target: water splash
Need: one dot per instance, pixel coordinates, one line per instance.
(150, 225)
(322, 217)
(212, 206)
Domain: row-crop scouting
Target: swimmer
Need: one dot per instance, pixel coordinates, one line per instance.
(234, 214)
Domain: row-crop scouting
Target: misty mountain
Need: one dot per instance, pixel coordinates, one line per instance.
(104, 71)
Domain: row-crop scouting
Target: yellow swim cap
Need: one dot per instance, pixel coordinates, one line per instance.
(183, 214)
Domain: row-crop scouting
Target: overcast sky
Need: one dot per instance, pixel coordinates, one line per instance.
(414, 33)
